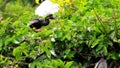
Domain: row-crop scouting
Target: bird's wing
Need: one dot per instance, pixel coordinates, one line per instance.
(102, 63)
(46, 8)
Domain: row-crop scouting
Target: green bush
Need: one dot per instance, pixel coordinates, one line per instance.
(82, 33)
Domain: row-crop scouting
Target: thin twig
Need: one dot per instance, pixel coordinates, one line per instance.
(100, 21)
(115, 24)
(4, 3)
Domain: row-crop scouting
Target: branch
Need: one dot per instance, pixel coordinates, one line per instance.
(115, 24)
(4, 3)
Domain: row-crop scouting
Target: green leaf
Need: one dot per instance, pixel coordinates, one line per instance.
(32, 65)
(38, 64)
(105, 50)
(17, 53)
(68, 64)
(25, 51)
(94, 43)
(1, 44)
(61, 63)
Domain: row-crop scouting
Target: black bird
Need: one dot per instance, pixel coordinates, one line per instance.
(39, 22)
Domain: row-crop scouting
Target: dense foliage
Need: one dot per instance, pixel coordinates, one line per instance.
(83, 32)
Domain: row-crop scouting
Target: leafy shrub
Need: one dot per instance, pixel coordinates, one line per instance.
(83, 32)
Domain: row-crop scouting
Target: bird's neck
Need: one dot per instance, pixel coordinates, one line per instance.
(46, 21)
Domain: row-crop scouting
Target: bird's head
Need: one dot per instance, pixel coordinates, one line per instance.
(50, 16)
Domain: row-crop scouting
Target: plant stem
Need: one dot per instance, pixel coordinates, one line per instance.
(100, 21)
(115, 24)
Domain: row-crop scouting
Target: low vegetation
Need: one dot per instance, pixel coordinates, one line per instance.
(83, 32)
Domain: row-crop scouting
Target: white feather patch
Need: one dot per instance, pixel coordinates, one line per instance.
(46, 8)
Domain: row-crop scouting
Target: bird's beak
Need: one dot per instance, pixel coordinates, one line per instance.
(50, 16)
